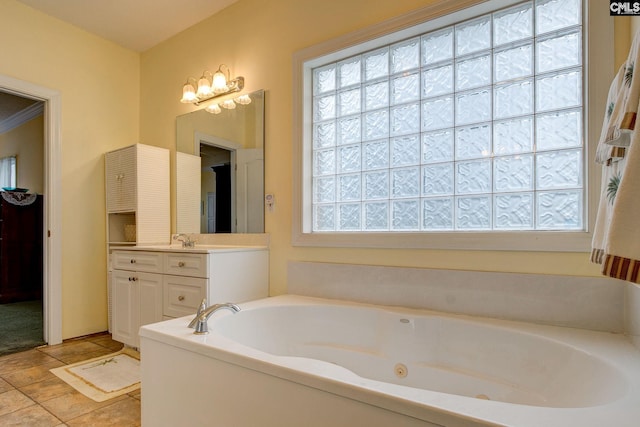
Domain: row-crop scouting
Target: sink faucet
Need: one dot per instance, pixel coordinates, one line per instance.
(200, 321)
(187, 240)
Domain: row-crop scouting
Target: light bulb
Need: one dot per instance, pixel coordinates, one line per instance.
(229, 104)
(188, 94)
(243, 99)
(219, 82)
(204, 88)
(214, 109)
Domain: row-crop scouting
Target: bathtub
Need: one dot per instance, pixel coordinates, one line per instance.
(299, 361)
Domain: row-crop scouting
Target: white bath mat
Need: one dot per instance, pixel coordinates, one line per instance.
(105, 377)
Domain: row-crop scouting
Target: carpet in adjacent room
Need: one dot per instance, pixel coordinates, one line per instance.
(20, 326)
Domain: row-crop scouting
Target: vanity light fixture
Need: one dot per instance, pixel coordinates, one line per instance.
(228, 104)
(211, 86)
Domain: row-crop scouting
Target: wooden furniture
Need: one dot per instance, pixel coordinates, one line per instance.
(21, 242)
(151, 285)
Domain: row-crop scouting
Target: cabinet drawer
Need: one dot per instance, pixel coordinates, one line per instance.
(137, 261)
(193, 265)
(182, 295)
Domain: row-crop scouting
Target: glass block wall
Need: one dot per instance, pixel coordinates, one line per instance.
(473, 127)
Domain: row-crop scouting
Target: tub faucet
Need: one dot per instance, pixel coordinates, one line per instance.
(200, 321)
(186, 239)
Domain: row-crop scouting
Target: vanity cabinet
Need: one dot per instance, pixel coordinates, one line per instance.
(137, 195)
(149, 285)
(136, 294)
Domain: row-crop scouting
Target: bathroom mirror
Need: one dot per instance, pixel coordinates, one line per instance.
(220, 169)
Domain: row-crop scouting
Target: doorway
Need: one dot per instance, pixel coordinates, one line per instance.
(222, 210)
(242, 171)
(21, 222)
(217, 183)
(51, 302)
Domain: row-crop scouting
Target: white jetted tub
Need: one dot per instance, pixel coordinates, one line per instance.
(300, 361)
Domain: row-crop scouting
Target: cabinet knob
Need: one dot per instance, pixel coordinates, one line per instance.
(132, 261)
(181, 264)
(181, 298)
(133, 279)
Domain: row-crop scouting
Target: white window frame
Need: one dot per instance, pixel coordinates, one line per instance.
(599, 40)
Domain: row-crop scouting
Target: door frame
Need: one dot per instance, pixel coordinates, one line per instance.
(52, 239)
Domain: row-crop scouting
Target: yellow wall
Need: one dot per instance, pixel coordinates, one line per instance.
(113, 97)
(257, 39)
(26, 142)
(99, 86)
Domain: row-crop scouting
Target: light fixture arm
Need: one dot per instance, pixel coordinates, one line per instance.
(219, 70)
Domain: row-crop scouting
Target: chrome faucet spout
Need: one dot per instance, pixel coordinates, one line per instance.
(202, 316)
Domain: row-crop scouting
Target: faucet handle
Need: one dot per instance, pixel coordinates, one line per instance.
(188, 241)
(201, 308)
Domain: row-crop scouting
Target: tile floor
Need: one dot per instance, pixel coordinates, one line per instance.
(30, 395)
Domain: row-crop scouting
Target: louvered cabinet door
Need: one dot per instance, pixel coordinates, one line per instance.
(121, 181)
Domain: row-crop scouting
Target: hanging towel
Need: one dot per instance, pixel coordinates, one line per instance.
(616, 238)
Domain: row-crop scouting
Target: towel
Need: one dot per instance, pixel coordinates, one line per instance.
(616, 237)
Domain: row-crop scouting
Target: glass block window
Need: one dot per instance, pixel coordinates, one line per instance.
(477, 126)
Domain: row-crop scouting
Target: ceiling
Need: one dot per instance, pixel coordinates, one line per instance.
(12, 104)
(134, 24)
(14, 110)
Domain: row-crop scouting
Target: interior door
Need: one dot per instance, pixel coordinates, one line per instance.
(188, 187)
(250, 190)
(211, 212)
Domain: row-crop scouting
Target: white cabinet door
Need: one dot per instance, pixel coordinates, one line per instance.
(150, 289)
(125, 307)
(182, 295)
(136, 301)
(120, 176)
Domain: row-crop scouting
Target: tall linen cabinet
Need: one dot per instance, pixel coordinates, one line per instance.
(137, 185)
(137, 190)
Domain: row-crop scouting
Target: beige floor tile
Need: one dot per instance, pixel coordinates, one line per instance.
(68, 352)
(74, 404)
(31, 396)
(106, 341)
(13, 400)
(47, 389)
(23, 360)
(125, 412)
(22, 377)
(73, 358)
(31, 416)
(5, 386)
